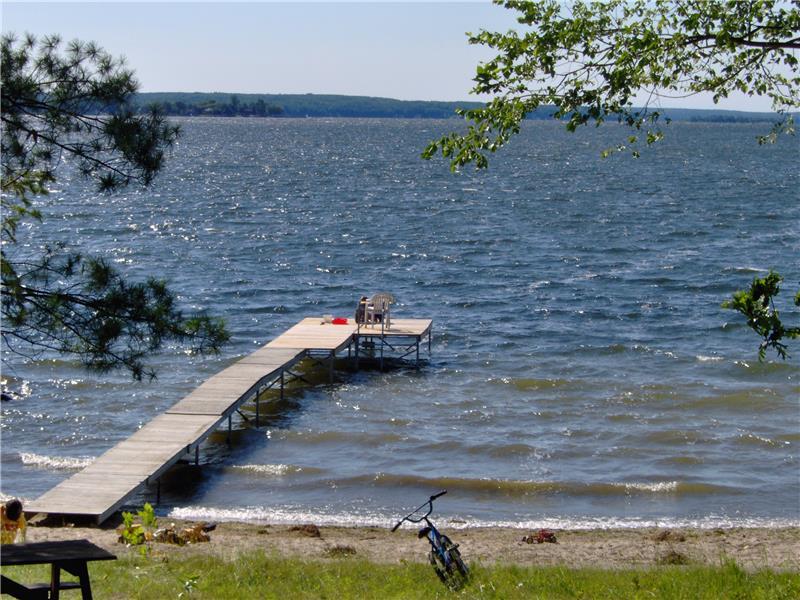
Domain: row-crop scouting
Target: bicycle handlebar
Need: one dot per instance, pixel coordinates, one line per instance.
(430, 510)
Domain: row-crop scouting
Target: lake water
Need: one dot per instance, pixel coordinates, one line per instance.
(582, 371)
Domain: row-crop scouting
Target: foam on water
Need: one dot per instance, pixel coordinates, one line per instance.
(275, 470)
(57, 463)
(656, 488)
(297, 515)
(702, 358)
(6, 497)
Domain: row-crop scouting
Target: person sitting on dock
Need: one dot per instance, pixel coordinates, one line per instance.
(361, 310)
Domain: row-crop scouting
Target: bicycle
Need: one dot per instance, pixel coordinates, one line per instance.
(444, 554)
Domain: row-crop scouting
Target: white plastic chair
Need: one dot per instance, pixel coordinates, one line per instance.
(378, 310)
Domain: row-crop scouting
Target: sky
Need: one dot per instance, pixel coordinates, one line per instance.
(404, 50)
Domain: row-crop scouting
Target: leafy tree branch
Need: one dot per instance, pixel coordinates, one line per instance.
(589, 60)
(757, 305)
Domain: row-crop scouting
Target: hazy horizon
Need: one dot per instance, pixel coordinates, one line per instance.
(398, 50)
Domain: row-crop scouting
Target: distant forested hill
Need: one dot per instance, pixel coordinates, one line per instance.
(299, 105)
(323, 105)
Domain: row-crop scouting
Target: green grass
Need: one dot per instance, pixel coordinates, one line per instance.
(259, 575)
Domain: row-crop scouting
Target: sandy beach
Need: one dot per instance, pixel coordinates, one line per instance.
(752, 549)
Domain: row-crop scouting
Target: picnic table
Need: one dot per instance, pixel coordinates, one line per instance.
(71, 556)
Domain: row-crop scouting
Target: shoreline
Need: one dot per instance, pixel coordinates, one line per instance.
(751, 548)
(278, 516)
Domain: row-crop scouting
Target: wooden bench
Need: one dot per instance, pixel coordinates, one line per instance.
(70, 556)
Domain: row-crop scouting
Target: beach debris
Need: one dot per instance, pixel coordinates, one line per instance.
(310, 530)
(540, 537)
(340, 551)
(196, 534)
(673, 557)
(168, 535)
(667, 535)
(189, 535)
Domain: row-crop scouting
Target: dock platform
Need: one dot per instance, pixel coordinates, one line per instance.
(109, 481)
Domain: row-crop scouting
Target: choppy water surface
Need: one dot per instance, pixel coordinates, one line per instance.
(583, 372)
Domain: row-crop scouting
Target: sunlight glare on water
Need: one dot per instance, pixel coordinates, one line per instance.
(582, 372)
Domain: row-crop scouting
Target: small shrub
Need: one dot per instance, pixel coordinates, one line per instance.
(667, 535)
(310, 530)
(340, 551)
(130, 533)
(673, 557)
(138, 534)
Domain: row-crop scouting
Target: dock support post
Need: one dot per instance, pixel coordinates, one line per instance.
(282, 372)
(330, 367)
(229, 430)
(257, 397)
(158, 491)
(418, 340)
(357, 339)
(197, 455)
(383, 343)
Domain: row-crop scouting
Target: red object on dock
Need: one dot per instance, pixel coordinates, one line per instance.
(339, 321)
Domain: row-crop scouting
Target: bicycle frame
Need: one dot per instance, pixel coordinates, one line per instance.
(435, 540)
(429, 531)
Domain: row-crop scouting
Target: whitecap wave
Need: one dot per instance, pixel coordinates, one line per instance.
(56, 463)
(702, 358)
(660, 487)
(279, 516)
(744, 269)
(6, 497)
(752, 438)
(276, 470)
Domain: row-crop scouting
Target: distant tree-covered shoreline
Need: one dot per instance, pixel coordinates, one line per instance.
(297, 105)
(214, 107)
(218, 104)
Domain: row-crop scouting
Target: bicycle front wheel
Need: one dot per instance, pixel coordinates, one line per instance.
(457, 563)
(457, 567)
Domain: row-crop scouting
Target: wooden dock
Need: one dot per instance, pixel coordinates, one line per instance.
(102, 487)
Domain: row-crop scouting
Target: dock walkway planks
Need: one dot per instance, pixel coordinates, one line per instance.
(103, 486)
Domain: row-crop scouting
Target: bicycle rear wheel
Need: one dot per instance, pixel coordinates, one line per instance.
(438, 565)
